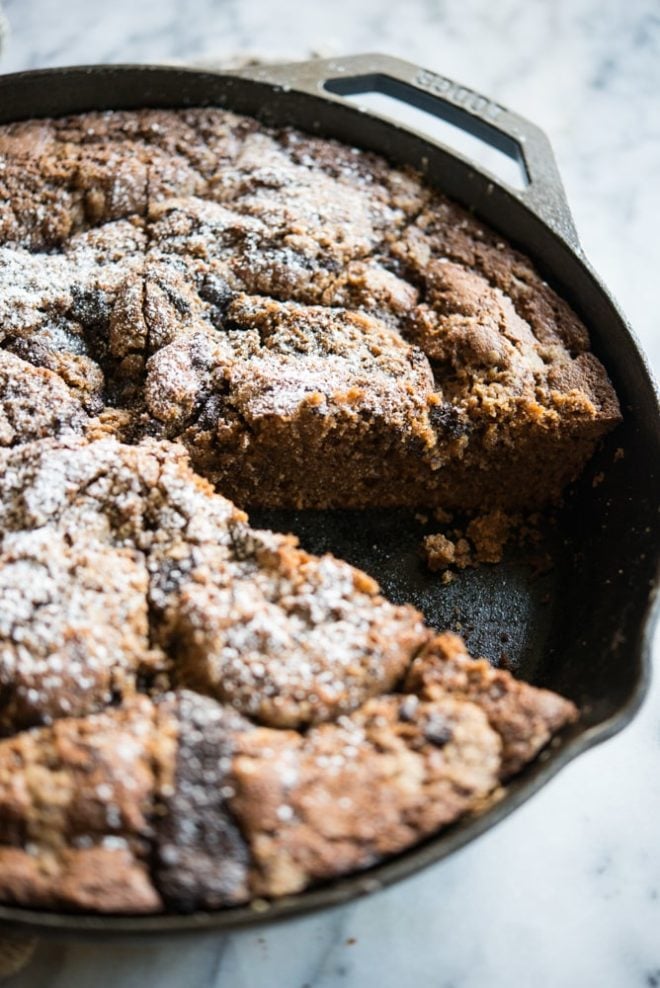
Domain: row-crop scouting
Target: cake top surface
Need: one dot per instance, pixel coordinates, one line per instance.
(187, 264)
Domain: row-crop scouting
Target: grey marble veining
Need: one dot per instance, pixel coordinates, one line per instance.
(566, 892)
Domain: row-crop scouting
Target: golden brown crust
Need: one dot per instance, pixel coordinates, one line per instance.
(187, 803)
(348, 794)
(74, 631)
(97, 879)
(76, 801)
(524, 716)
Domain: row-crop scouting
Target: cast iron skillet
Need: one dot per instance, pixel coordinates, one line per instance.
(583, 626)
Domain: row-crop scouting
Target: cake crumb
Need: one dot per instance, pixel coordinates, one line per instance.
(489, 533)
(483, 541)
(442, 552)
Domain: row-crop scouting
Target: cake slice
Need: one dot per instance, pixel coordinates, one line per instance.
(74, 634)
(524, 716)
(346, 795)
(183, 803)
(118, 563)
(76, 810)
(314, 403)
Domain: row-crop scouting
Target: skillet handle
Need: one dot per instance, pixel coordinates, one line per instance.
(515, 136)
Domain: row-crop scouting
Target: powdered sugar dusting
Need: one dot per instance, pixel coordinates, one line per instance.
(243, 615)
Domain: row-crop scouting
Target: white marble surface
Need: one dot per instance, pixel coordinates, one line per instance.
(566, 893)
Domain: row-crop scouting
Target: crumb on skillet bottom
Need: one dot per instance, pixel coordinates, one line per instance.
(195, 713)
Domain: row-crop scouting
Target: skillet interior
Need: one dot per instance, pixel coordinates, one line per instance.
(583, 626)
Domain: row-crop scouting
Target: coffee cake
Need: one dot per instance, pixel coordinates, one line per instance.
(200, 315)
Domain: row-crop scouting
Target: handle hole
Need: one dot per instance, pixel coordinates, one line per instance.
(472, 137)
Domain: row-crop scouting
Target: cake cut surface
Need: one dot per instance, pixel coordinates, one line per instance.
(200, 315)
